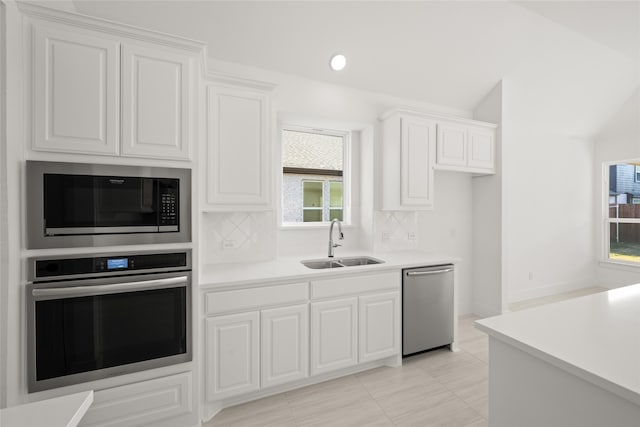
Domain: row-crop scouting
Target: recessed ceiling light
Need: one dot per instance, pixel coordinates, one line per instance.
(338, 62)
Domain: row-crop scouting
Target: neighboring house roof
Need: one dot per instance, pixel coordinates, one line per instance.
(311, 151)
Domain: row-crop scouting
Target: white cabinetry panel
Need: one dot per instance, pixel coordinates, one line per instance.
(334, 329)
(153, 402)
(408, 157)
(233, 354)
(155, 103)
(238, 156)
(285, 344)
(76, 104)
(481, 148)
(379, 333)
(417, 160)
(452, 144)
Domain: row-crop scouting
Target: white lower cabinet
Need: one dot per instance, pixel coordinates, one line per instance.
(334, 335)
(233, 352)
(285, 344)
(379, 325)
(264, 337)
(158, 402)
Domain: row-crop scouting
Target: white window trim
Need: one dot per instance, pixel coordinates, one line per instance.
(346, 175)
(606, 221)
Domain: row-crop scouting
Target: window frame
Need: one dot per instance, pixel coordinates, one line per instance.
(347, 168)
(607, 221)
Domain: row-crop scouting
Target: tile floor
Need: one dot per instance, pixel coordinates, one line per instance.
(437, 388)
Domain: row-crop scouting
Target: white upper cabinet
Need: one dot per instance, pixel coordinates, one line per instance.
(409, 144)
(238, 149)
(414, 144)
(111, 91)
(482, 143)
(76, 103)
(155, 103)
(466, 147)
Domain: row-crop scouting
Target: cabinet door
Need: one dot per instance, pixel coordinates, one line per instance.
(155, 103)
(452, 144)
(417, 160)
(379, 326)
(481, 148)
(334, 335)
(285, 344)
(75, 85)
(238, 149)
(232, 354)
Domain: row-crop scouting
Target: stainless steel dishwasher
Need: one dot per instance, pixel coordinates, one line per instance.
(427, 308)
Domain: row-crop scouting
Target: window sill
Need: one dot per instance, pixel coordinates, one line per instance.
(315, 226)
(618, 265)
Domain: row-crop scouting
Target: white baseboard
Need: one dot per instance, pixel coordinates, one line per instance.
(545, 291)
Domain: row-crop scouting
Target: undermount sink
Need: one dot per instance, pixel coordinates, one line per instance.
(340, 262)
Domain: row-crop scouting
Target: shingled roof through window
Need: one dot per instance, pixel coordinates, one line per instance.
(311, 150)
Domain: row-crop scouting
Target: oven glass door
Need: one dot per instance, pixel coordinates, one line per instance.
(84, 204)
(98, 330)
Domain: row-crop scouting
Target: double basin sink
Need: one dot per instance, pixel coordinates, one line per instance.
(340, 262)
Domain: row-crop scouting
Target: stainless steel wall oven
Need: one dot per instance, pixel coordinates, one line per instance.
(106, 315)
(81, 205)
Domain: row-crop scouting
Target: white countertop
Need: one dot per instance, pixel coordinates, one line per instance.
(290, 268)
(63, 411)
(595, 337)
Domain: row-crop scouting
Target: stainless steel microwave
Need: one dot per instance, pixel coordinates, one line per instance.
(84, 205)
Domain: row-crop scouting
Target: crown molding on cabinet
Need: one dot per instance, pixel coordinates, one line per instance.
(450, 119)
(216, 77)
(113, 28)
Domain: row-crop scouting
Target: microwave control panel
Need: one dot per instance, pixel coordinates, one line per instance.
(169, 201)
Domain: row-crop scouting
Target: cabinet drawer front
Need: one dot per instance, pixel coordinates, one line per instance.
(354, 285)
(255, 298)
(145, 403)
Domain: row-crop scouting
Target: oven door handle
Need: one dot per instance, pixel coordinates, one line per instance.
(81, 291)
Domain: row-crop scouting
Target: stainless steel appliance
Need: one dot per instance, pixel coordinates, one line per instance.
(106, 315)
(427, 308)
(82, 205)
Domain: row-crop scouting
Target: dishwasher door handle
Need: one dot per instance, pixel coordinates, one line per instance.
(425, 273)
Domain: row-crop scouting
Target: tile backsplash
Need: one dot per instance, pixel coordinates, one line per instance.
(395, 230)
(237, 236)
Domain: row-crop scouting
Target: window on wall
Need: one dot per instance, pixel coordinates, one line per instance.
(622, 218)
(314, 175)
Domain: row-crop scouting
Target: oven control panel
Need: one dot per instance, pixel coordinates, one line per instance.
(106, 265)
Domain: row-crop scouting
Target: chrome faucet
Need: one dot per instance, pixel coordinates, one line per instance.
(331, 244)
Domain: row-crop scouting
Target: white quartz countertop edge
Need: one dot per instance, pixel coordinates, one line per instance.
(505, 329)
(289, 268)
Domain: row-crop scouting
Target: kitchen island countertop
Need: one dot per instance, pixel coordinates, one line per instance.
(595, 337)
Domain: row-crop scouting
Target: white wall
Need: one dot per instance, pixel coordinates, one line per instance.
(548, 197)
(489, 295)
(618, 140)
(3, 216)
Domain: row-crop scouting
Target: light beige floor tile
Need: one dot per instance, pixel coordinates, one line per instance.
(385, 381)
(441, 361)
(413, 398)
(451, 412)
(475, 346)
(464, 377)
(271, 411)
(481, 423)
(363, 413)
(325, 398)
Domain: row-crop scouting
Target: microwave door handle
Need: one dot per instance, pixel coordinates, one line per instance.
(81, 291)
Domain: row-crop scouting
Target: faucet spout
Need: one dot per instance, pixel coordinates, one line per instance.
(331, 244)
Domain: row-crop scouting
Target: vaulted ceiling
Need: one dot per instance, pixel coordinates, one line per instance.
(449, 53)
